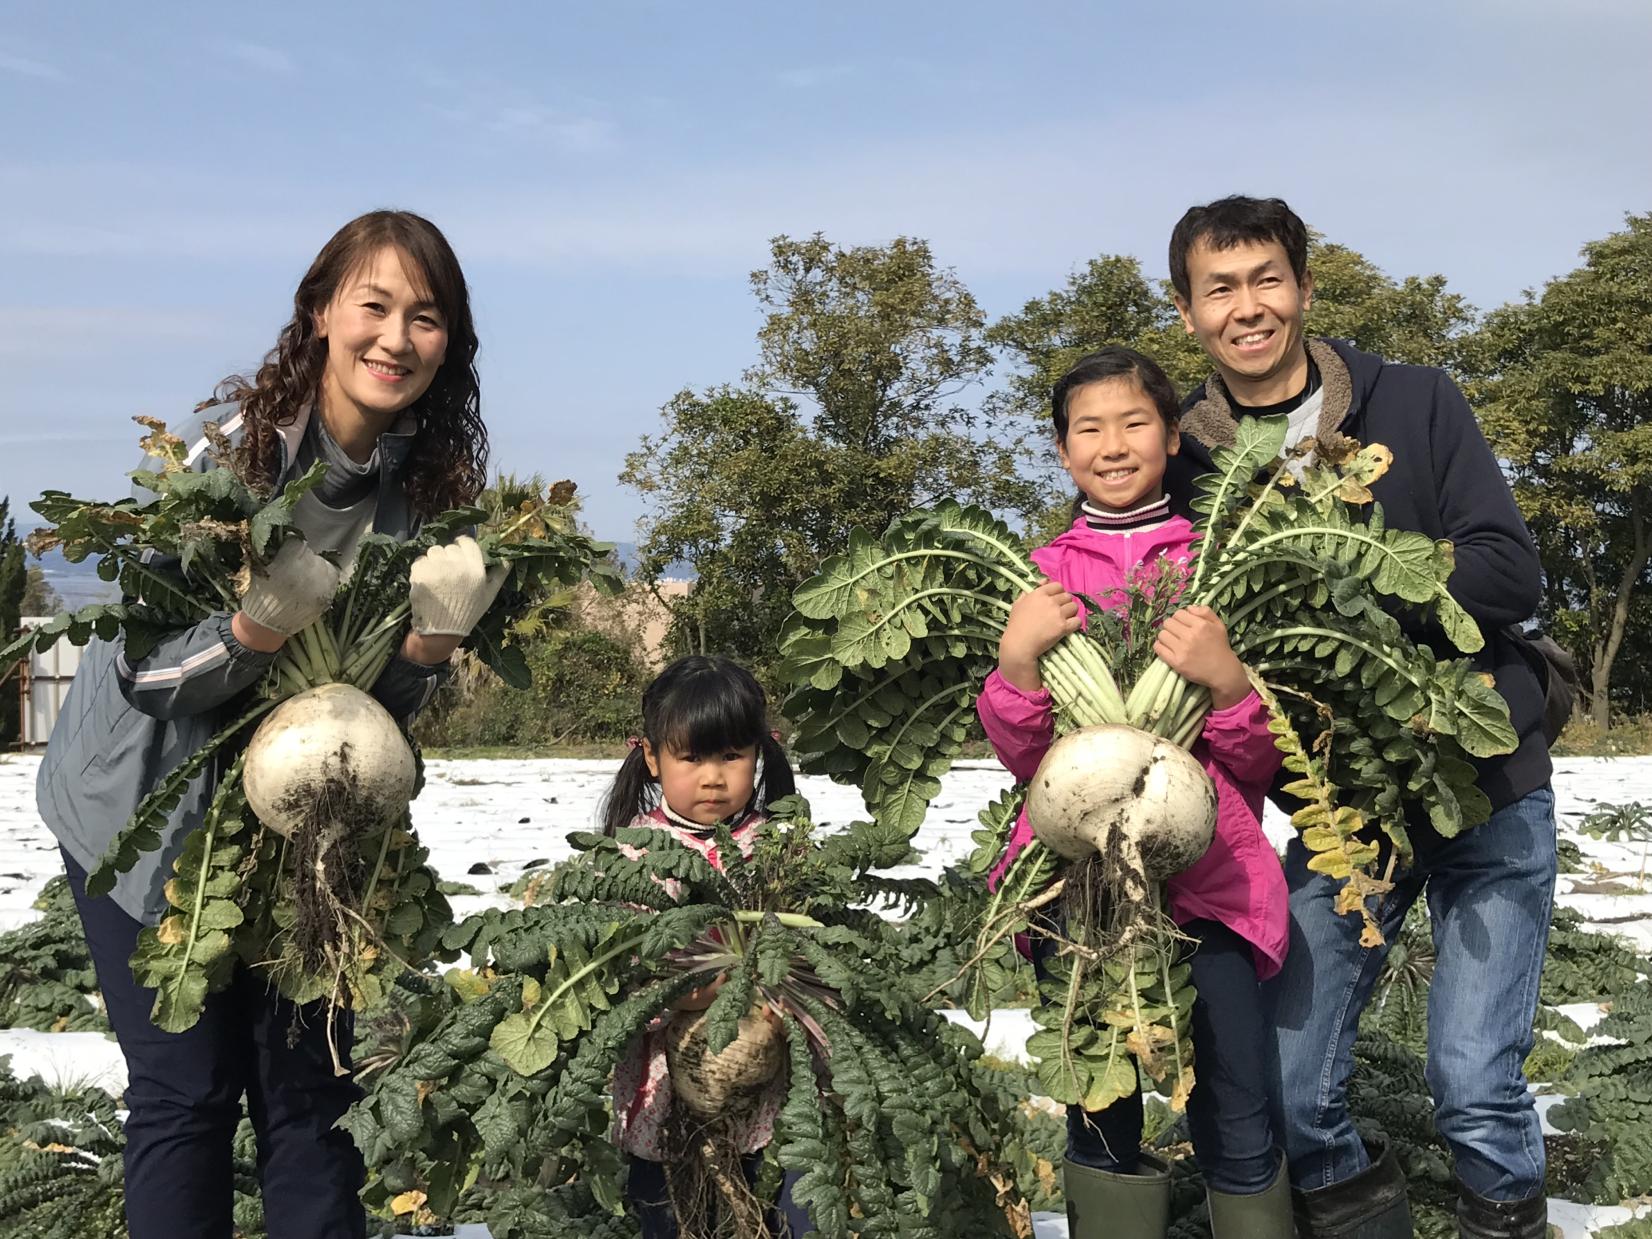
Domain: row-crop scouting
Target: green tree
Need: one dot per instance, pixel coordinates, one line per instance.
(1567, 403)
(852, 415)
(39, 598)
(13, 583)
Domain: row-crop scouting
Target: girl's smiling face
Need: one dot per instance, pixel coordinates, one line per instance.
(1117, 444)
(705, 788)
(385, 339)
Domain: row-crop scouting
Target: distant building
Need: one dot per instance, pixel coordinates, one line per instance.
(42, 682)
(634, 616)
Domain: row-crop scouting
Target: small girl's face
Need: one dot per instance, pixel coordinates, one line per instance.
(1117, 444)
(704, 787)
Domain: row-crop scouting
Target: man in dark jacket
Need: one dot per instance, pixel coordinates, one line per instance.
(1239, 268)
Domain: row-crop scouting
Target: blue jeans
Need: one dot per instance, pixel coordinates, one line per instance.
(1490, 898)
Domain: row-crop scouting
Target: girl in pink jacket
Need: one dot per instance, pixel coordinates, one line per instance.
(1115, 417)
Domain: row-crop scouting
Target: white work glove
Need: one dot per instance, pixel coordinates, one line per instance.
(450, 588)
(292, 591)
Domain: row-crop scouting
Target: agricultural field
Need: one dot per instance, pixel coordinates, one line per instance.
(491, 823)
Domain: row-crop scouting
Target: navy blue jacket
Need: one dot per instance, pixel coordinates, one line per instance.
(1446, 483)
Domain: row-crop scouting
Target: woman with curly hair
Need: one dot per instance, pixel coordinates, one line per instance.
(374, 375)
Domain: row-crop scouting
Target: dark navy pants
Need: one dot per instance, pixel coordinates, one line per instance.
(1227, 1113)
(646, 1189)
(184, 1096)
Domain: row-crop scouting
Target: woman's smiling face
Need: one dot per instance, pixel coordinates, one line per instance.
(385, 339)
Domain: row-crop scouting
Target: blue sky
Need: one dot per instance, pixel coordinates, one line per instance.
(610, 173)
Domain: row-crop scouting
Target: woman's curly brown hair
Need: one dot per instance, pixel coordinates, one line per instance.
(447, 465)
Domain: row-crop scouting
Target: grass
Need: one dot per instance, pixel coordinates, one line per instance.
(598, 750)
(1627, 737)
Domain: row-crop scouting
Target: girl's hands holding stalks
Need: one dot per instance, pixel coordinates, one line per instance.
(1194, 643)
(1038, 621)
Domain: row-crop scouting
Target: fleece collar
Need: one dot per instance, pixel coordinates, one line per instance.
(1211, 419)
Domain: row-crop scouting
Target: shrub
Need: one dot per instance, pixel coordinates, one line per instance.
(587, 685)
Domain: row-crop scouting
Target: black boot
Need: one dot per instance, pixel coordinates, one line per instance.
(1479, 1218)
(1371, 1205)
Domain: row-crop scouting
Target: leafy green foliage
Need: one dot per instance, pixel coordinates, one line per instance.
(1610, 1098)
(586, 687)
(1626, 823)
(186, 548)
(890, 642)
(1564, 403)
(1583, 966)
(500, 1078)
(47, 981)
(60, 1164)
(863, 351)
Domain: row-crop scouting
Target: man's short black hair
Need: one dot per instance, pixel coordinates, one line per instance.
(1237, 220)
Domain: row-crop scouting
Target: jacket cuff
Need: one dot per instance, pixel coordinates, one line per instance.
(996, 683)
(1238, 711)
(239, 655)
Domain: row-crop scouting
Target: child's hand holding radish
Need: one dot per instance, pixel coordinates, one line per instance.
(1039, 619)
(1194, 643)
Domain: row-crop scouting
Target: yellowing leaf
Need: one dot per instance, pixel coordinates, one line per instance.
(1333, 864)
(407, 1202)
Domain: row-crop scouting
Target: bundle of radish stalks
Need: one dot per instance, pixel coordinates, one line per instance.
(771, 989)
(304, 862)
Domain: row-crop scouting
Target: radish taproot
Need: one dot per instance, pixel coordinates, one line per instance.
(710, 1084)
(330, 750)
(1116, 789)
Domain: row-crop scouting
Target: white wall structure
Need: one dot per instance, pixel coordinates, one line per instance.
(44, 683)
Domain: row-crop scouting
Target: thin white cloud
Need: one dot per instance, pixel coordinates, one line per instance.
(261, 56)
(808, 77)
(89, 331)
(570, 133)
(26, 66)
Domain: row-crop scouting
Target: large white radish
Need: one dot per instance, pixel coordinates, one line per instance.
(709, 1084)
(332, 744)
(1122, 792)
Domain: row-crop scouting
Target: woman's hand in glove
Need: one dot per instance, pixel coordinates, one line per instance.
(450, 588)
(289, 593)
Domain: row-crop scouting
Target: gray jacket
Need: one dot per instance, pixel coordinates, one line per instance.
(125, 724)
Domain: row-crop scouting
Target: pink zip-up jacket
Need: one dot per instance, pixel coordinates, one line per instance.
(1239, 881)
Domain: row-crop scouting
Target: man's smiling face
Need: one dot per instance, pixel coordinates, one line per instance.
(1247, 309)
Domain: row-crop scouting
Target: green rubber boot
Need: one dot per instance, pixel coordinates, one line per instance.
(1266, 1215)
(1104, 1205)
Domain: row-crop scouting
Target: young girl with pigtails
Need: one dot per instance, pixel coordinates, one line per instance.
(705, 760)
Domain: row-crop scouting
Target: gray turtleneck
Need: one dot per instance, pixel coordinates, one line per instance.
(336, 513)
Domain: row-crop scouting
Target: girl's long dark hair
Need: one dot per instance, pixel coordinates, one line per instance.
(699, 704)
(447, 464)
